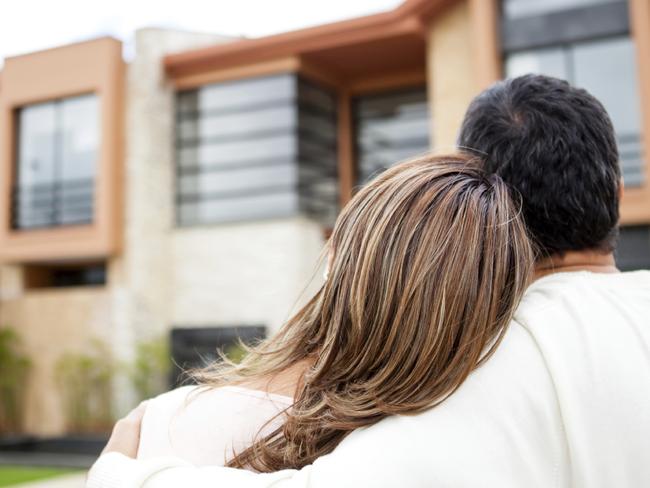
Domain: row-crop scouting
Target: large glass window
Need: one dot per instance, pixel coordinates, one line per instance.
(390, 127)
(607, 69)
(514, 9)
(56, 163)
(257, 148)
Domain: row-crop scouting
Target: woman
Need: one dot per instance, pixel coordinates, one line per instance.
(427, 264)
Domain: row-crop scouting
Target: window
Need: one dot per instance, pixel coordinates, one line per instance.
(590, 47)
(197, 347)
(633, 251)
(254, 149)
(514, 9)
(390, 127)
(56, 158)
(65, 275)
(606, 68)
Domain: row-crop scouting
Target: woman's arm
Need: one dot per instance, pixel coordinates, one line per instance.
(115, 470)
(362, 462)
(118, 468)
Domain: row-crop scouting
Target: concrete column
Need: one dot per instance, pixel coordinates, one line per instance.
(462, 59)
(140, 279)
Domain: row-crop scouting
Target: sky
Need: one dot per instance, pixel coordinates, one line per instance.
(32, 25)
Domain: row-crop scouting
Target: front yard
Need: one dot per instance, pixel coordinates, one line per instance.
(12, 475)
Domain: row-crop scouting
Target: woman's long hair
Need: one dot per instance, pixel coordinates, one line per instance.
(429, 261)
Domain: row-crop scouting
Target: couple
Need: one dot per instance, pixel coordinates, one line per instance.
(472, 331)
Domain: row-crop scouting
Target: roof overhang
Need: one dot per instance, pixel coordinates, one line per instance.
(393, 41)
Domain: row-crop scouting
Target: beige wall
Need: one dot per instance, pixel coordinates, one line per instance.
(450, 73)
(143, 272)
(243, 274)
(51, 323)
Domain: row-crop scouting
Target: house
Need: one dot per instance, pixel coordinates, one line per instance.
(194, 186)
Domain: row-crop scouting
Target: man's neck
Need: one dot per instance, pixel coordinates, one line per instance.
(593, 261)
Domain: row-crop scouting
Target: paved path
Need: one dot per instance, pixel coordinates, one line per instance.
(66, 481)
(78, 461)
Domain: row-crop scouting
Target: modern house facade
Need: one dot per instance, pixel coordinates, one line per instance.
(194, 186)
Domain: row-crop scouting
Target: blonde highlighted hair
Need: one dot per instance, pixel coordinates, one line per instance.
(429, 261)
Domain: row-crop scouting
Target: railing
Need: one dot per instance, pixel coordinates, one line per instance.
(54, 204)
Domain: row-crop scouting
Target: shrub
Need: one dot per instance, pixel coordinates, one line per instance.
(151, 367)
(85, 381)
(14, 368)
(236, 351)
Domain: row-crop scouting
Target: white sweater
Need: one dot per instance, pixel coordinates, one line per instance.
(206, 427)
(564, 402)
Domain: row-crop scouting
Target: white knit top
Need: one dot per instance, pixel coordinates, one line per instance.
(206, 426)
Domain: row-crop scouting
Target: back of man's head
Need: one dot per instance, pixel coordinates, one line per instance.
(555, 145)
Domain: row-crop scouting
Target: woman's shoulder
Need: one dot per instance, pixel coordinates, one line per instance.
(154, 432)
(199, 399)
(202, 424)
(176, 396)
(200, 395)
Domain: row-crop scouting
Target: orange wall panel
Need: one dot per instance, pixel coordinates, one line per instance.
(88, 67)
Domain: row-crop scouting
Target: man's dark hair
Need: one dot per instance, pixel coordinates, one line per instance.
(554, 144)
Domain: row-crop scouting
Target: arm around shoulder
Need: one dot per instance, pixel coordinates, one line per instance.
(357, 462)
(115, 470)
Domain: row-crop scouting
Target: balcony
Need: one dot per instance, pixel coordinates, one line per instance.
(52, 205)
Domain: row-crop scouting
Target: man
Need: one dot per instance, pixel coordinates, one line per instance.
(565, 400)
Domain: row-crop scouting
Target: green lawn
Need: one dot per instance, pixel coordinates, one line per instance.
(11, 475)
